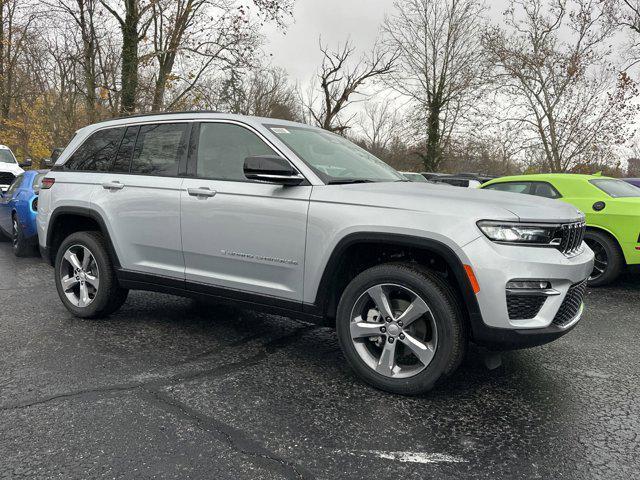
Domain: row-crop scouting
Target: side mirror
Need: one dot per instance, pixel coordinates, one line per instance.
(271, 169)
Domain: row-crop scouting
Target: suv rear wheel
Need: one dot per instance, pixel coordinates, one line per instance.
(400, 328)
(85, 277)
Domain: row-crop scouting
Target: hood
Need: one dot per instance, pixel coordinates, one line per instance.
(476, 203)
(11, 168)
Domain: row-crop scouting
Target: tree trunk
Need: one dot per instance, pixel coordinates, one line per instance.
(158, 93)
(164, 70)
(88, 67)
(130, 40)
(433, 156)
(5, 55)
(2, 89)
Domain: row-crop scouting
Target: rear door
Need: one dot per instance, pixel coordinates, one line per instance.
(236, 233)
(139, 198)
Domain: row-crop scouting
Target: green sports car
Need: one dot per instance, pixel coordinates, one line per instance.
(612, 209)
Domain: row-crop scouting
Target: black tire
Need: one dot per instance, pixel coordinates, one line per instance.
(21, 247)
(604, 247)
(109, 296)
(448, 319)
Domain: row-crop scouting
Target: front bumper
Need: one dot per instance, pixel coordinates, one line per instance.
(495, 265)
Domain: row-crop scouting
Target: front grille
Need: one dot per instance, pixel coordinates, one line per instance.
(524, 307)
(571, 304)
(6, 178)
(569, 237)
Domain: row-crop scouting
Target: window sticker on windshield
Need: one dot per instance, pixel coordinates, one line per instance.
(279, 130)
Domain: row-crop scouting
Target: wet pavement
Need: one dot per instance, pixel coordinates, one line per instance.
(169, 388)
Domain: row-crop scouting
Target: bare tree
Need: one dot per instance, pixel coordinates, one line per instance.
(82, 14)
(134, 23)
(553, 64)
(440, 65)
(380, 125)
(205, 35)
(339, 81)
(628, 15)
(170, 22)
(14, 28)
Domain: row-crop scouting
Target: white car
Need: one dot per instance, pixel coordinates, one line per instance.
(9, 168)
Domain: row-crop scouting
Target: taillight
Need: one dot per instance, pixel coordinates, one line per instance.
(47, 183)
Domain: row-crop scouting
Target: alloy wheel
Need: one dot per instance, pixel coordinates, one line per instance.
(393, 330)
(601, 260)
(79, 275)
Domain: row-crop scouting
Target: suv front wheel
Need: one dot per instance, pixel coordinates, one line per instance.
(85, 277)
(400, 328)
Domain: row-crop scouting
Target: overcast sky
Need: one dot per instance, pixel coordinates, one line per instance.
(335, 21)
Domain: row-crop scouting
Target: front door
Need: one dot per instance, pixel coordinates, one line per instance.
(236, 233)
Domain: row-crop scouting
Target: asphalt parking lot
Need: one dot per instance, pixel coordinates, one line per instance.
(167, 388)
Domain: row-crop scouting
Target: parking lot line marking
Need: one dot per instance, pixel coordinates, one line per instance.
(411, 457)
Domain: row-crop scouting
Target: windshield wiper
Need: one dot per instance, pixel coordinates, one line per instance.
(349, 180)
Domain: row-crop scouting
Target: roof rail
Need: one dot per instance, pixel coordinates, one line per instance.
(155, 114)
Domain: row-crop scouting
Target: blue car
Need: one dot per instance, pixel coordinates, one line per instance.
(18, 207)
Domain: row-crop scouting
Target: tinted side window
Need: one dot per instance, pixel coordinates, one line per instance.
(159, 149)
(97, 152)
(125, 152)
(15, 185)
(546, 190)
(222, 149)
(514, 187)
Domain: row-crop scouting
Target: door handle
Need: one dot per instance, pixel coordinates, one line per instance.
(115, 185)
(201, 192)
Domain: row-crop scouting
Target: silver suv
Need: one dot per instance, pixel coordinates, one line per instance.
(301, 222)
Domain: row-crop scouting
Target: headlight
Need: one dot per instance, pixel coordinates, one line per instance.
(520, 233)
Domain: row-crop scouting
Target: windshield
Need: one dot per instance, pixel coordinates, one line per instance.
(616, 188)
(6, 156)
(334, 158)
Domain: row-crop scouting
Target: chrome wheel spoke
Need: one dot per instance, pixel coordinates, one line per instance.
(84, 299)
(415, 310)
(387, 359)
(423, 351)
(380, 298)
(364, 329)
(86, 258)
(92, 280)
(72, 258)
(68, 283)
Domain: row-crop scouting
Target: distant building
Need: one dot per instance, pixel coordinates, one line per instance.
(633, 170)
